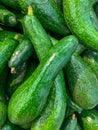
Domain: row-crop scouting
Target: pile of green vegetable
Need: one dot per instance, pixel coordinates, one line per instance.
(49, 64)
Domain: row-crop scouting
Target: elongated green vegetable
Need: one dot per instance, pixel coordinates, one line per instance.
(56, 104)
(48, 14)
(77, 15)
(29, 99)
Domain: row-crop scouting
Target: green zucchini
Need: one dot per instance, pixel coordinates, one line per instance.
(70, 123)
(11, 3)
(56, 104)
(7, 17)
(77, 15)
(30, 98)
(91, 58)
(89, 119)
(83, 83)
(48, 14)
(3, 102)
(59, 3)
(22, 53)
(6, 49)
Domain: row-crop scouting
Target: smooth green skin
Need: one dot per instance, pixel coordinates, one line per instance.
(53, 113)
(77, 15)
(9, 126)
(6, 49)
(22, 53)
(11, 3)
(91, 58)
(48, 14)
(89, 119)
(4, 35)
(6, 17)
(69, 124)
(29, 99)
(83, 83)
(59, 3)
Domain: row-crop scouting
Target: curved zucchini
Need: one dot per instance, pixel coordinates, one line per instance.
(77, 15)
(48, 14)
(29, 99)
(6, 49)
(22, 53)
(7, 17)
(83, 83)
(56, 104)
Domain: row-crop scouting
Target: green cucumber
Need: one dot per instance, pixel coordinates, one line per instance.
(56, 104)
(7, 17)
(77, 15)
(4, 35)
(11, 3)
(89, 119)
(70, 123)
(9, 126)
(3, 102)
(29, 99)
(91, 58)
(83, 83)
(6, 49)
(22, 53)
(48, 14)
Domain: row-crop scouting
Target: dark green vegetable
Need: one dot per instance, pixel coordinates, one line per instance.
(83, 83)
(48, 14)
(6, 49)
(7, 17)
(77, 15)
(89, 119)
(32, 94)
(22, 53)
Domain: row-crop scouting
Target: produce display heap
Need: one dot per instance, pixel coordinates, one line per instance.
(49, 64)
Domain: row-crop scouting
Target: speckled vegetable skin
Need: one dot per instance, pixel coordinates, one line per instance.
(89, 119)
(83, 83)
(7, 17)
(6, 49)
(91, 58)
(53, 113)
(48, 14)
(30, 97)
(3, 102)
(77, 15)
(22, 52)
